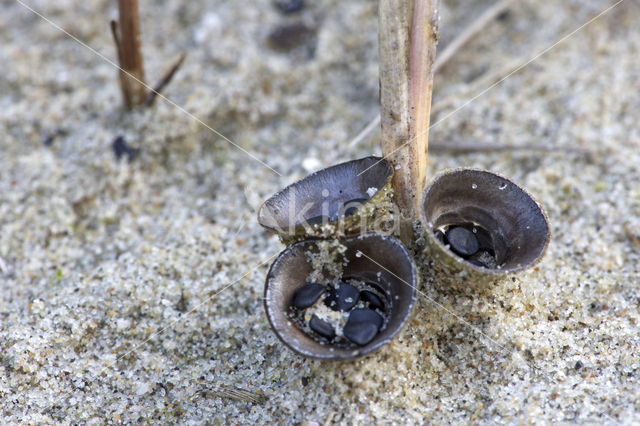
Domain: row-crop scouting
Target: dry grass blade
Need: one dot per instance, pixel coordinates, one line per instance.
(329, 418)
(471, 31)
(462, 146)
(224, 391)
(116, 39)
(164, 81)
(482, 81)
(631, 235)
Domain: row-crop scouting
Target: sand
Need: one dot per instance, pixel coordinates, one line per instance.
(132, 291)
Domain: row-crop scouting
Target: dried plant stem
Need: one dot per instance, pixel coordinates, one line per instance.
(224, 391)
(407, 39)
(465, 146)
(129, 54)
(126, 36)
(166, 79)
(471, 31)
(631, 235)
(483, 81)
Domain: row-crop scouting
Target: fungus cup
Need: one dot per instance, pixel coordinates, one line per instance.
(380, 260)
(340, 200)
(507, 220)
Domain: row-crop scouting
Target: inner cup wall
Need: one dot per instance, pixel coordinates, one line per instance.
(515, 221)
(291, 269)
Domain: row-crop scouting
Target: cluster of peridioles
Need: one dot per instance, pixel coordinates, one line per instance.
(344, 299)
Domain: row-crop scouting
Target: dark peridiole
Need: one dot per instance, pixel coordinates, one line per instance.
(381, 263)
(510, 228)
(342, 298)
(307, 295)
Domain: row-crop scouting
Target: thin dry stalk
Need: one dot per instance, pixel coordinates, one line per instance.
(465, 146)
(471, 31)
(151, 97)
(631, 235)
(483, 81)
(407, 39)
(127, 38)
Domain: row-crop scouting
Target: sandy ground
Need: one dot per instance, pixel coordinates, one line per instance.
(132, 291)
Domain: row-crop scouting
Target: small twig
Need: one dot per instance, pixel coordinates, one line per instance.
(471, 31)
(164, 81)
(116, 39)
(466, 146)
(365, 132)
(631, 235)
(126, 36)
(329, 419)
(224, 391)
(463, 146)
(483, 81)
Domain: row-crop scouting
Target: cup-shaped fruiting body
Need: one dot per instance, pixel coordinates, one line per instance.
(481, 225)
(376, 282)
(340, 200)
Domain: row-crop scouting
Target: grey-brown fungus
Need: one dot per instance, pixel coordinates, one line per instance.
(482, 223)
(381, 270)
(336, 201)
